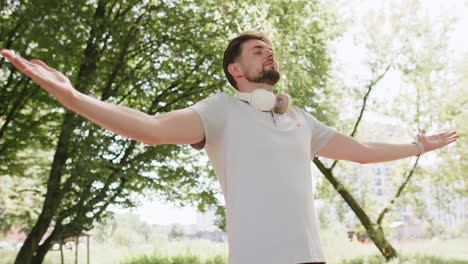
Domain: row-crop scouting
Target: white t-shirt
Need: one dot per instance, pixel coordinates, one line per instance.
(262, 161)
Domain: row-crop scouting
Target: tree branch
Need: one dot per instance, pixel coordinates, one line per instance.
(370, 86)
(398, 193)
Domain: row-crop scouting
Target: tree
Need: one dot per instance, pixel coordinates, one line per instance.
(155, 57)
(176, 232)
(395, 49)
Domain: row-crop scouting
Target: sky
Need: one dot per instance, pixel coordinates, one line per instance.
(159, 212)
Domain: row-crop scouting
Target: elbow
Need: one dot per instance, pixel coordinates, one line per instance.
(363, 161)
(366, 155)
(367, 160)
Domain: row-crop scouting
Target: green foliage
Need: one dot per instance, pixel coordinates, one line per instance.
(300, 32)
(20, 202)
(153, 56)
(414, 46)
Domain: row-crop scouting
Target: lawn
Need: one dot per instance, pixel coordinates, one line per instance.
(337, 250)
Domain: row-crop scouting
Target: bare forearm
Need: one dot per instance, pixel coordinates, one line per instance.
(344, 147)
(382, 152)
(119, 119)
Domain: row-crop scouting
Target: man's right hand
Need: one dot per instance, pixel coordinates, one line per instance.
(48, 78)
(182, 126)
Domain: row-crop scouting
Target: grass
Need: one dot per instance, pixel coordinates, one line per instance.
(181, 259)
(413, 259)
(206, 251)
(337, 251)
(376, 259)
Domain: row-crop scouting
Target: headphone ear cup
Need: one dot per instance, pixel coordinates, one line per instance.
(283, 103)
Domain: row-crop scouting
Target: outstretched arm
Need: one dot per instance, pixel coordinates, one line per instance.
(344, 147)
(182, 126)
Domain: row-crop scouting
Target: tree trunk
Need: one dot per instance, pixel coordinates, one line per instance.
(42, 250)
(53, 195)
(62, 261)
(77, 242)
(374, 230)
(54, 192)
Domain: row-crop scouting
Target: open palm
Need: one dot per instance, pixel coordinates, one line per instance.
(48, 78)
(436, 141)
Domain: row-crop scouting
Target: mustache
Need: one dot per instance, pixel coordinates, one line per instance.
(268, 61)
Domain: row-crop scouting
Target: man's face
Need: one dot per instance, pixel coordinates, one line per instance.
(258, 62)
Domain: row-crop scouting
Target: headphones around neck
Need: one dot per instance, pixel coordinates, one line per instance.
(264, 100)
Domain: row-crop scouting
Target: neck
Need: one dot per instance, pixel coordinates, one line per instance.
(250, 87)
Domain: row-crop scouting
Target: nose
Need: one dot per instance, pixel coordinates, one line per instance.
(270, 54)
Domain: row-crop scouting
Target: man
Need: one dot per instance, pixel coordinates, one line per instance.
(259, 146)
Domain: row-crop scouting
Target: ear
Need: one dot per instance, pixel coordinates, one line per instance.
(234, 70)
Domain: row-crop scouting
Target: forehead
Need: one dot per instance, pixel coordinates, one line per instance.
(252, 43)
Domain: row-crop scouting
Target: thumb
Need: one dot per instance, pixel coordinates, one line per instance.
(421, 135)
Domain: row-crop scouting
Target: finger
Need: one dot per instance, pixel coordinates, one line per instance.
(449, 136)
(6, 53)
(41, 63)
(16, 60)
(23, 65)
(448, 133)
(448, 142)
(9, 54)
(441, 136)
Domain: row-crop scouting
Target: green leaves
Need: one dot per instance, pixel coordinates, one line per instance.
(153, 56)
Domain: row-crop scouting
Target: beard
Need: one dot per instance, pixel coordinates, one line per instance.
(270, 77)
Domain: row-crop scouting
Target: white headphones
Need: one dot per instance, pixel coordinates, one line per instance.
(264, 100)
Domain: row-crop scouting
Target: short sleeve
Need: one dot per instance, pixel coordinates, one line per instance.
(212, 112)
(321, 133)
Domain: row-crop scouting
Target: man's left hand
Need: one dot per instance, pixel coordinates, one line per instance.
(436, 141)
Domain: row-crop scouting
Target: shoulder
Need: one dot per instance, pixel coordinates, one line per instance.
(221, 96)
(214, 105)
(311, 119)
(299, 111)
(224, 96)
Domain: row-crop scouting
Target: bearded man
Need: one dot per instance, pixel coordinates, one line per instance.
(259, 144)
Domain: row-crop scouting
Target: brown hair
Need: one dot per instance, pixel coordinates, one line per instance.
(234, 50)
